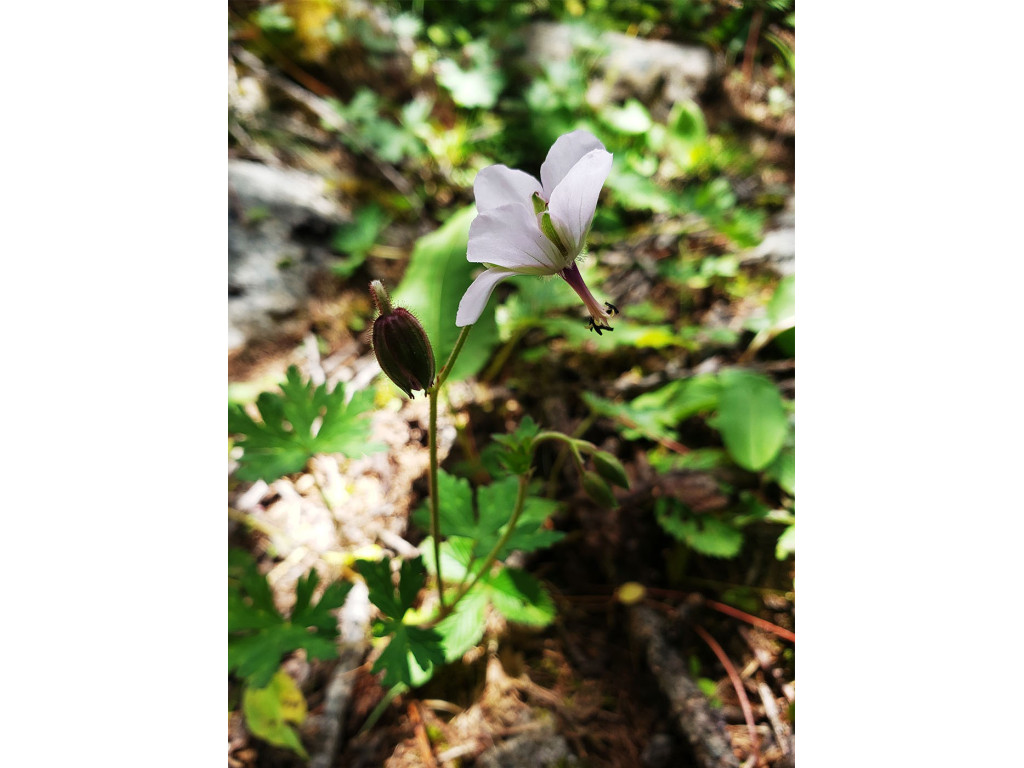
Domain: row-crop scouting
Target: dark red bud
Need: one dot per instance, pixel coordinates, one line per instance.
(401, 345)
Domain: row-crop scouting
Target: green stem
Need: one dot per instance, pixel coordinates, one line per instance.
(435, 503)
(492, 556)
(435, 507)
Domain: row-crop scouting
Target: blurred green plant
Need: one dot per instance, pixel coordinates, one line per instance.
(355, 239)
(757, 434)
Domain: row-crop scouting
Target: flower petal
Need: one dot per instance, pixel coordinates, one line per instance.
(574, 200)
(563, 155)
(498, 185)
(510, 237)
(475, 298)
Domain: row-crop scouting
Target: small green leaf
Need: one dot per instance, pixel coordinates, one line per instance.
(751, 418)
(783, 471)
(704, 533)
(632, 118)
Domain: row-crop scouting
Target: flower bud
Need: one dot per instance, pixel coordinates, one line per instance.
(598, 490)
(610, 469)
(401, 345)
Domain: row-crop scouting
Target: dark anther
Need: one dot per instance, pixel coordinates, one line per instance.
(593, 325)
(612, 310)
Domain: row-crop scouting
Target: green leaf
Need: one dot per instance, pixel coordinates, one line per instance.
(496, 502)
(285, 437)
(786, 544)
(517, 448)
(632, 118)
(464, 628)
(783, 471)
(520, 597)
(656, 414)
(781, 308)
(270, 709)
(259, 636)
(751, 418)
(437, 277)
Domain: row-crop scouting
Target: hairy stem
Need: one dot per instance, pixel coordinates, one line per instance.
(435, 502)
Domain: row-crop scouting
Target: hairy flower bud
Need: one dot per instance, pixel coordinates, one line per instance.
(400, 344)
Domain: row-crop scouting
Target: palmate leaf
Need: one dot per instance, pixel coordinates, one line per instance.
(411, 652)
(259, 636)
(287, 434)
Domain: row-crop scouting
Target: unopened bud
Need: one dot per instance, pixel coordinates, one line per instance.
(610, 469)
(598, 490)
(400, 344)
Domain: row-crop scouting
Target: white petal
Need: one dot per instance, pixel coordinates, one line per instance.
(563, 155)
(574, 200)
(476, 296)
(510, 237)
(498, 185)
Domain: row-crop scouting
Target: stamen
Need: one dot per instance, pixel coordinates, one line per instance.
(593, 325)
(612, 309)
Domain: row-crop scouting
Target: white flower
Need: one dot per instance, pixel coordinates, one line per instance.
(530, 227)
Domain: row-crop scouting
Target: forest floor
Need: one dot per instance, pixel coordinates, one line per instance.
(650, 679)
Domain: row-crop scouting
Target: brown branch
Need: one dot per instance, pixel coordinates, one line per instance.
(702, 726)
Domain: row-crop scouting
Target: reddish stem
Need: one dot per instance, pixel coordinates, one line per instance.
(737, 684)
(736, 613)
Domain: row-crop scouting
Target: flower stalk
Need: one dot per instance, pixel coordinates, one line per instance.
(435, 503)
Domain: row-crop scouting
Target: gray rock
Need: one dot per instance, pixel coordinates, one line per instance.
(280, 221)
(542, 748)
(657, 72)
(778, 248)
